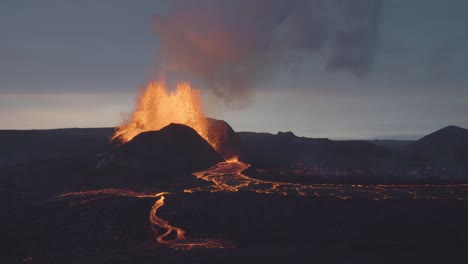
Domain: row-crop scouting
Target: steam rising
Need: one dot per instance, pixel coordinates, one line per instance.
(230, 44)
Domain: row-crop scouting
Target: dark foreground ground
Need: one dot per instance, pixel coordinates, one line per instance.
(264, 228)
(279, 215)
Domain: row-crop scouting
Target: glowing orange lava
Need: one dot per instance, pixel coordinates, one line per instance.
(179, 242)
(233, 159)
(157, 107)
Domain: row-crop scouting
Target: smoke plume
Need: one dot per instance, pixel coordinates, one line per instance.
(230, 44)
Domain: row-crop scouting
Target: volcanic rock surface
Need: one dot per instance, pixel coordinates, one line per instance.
(228, 141)
(286, 149)
(441, 157)
(156, 159)
(23, 146)
(404, 223)
(174, 149)
(448, 143)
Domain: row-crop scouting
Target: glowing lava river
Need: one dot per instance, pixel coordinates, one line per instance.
(157, 223)
(228, 177)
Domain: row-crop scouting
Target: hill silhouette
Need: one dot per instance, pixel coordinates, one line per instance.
(85, 157)
(228, 141)
(447, 144)
(154, 159)
(173, 149)
(439, 157)
(287, 150)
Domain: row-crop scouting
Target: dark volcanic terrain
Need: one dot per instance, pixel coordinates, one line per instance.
(438, 158)
(71, 196)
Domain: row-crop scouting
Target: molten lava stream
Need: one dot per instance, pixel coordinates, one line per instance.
(180, 242)
(228, 177)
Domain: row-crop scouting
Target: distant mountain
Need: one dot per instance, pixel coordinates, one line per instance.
(286, 150)
(447, 144)
(439, 157)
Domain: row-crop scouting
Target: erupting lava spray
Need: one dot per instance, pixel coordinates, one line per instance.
(157, 107)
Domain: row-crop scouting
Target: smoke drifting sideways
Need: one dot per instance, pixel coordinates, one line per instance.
(228, 45)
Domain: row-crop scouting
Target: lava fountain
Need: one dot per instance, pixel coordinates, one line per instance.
(157, 107)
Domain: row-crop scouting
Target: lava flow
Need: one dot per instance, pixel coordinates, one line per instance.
(180, 242)
(228, 177)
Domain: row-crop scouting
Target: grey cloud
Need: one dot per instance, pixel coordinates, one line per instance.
(229, 45)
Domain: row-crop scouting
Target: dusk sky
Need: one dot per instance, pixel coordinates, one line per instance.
(344, 69)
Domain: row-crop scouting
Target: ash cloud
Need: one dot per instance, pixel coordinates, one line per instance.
(229, 45)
